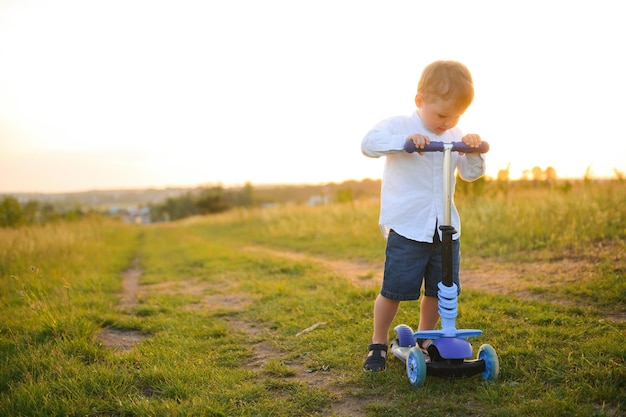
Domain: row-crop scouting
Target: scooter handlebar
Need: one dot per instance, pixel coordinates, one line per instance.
(409, 146)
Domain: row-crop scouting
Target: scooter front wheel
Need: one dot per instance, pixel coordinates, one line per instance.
(405, 336)
(416, 367)
(492, 364)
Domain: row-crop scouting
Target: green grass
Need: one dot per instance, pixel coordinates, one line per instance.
(220, 321)
(545, 223)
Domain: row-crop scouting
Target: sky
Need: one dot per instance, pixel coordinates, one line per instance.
(148, 93)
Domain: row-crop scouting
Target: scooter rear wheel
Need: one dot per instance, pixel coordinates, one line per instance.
(416, 367)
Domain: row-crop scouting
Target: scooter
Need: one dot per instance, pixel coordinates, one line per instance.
(450, 353)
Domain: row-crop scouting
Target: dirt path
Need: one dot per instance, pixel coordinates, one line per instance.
(360, 274)
(118, 339)
(491, 277)
(130, 286)
(518, 279)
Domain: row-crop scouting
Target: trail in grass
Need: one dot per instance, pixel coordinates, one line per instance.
(490, 276)
(130, 285)
(521, 279)
(361, 274)
(124, 340)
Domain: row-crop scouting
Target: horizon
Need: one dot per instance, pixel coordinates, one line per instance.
(271, 185)
(205, 92)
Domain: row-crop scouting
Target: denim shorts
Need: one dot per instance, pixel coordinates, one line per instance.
(409, 263)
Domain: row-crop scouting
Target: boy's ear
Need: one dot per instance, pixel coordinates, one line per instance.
(419, 99)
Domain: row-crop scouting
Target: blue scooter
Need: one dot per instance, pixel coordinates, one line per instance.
(450, 353)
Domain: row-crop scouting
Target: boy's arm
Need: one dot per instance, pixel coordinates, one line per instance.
(381, 141)
(472, 166)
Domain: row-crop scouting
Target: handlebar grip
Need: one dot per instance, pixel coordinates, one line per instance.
(409, 146)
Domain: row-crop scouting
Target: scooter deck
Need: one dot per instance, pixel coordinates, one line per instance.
(403, 352)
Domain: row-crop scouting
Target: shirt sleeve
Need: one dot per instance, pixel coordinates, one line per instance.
(472, 166)
(382, 140)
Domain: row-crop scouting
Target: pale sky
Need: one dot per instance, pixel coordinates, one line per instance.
(144, 93)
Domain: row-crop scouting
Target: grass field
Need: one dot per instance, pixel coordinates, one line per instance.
(267, 312)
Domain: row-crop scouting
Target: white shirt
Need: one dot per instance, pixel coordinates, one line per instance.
(412, 185)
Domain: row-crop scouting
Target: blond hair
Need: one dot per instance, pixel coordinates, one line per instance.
(447, 80)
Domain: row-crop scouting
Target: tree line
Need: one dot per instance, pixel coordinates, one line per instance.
(208, 200)
(216, 199)
(14, 214)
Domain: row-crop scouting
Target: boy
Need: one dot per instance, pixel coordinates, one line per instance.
(412, 198)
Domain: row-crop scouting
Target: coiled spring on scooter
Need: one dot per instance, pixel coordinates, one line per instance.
(448, 307)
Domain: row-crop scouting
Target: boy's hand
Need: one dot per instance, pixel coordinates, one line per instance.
(472, 140)
(419, 141)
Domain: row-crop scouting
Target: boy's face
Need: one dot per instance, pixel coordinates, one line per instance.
(438, 115)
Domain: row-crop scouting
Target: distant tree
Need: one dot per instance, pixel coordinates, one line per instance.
(538, 174)
(14, 214)
(48, 213)
(174, 208)
(207, 201)
(211, 200)
(243, 197)
(32, 211)
(11, 213)
(550, 175)
(158, 213)
(184, 206)
(503, 174)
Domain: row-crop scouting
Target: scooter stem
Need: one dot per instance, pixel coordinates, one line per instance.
(447, 230)
(448, 304)
(447, 184)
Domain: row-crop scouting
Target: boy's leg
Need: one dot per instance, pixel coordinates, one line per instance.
(429, 316)
(385, 311)
(429, 313)
(405, 263)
